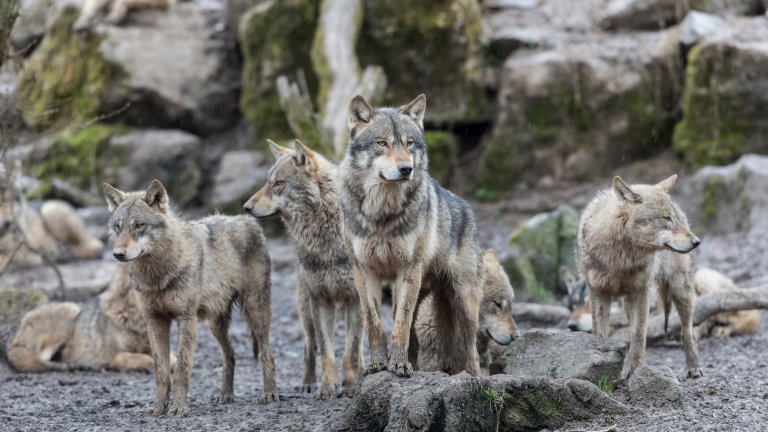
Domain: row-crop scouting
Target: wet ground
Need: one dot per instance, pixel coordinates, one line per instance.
(732, 395)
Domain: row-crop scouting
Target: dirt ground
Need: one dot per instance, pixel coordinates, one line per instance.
(731, 396)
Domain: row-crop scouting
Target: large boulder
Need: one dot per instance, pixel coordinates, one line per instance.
(658, 14)
(729, 199)
(726, 95)
(540, 247)
(34, 19)
(579, 111)
(410, 39)
(241, 173)
(442, 149)
(562, 354)
(653, 384)
(136, 74)
(431, 401)
(275, 39)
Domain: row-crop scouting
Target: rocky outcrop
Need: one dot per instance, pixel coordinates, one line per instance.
(241, 173)
(651, 384)
(442, 149)
(166, 68)
(724, 105)
(540, 247)
(561, 354)
(579, 111)
(659, 14)
(410, 39)
(435, 401)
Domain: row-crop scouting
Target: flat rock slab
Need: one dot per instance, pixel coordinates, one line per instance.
(652, 384)
(558, 354)
(435, 401)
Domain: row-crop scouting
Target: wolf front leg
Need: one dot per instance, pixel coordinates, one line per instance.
(159, 330)
(408, 285)
(353, 349)
(600, 306)
(369, 290)
(638, 327)
(682, 297)
(323, 309)
(187, 343)
(310, 343)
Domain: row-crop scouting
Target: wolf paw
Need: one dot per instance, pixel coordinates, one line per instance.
(350, 390)
(180, 409)
(401, 368)
(153, 412)
(695, 373)
(374, 368)
(268, 397)
(307, 388)
(721, 331)
(225, 398)
(326, 393)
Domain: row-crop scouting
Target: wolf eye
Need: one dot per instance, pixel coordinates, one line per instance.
(381, 143)
(117, 225)
(498, 305)
(667, 218)
(139, 226)
(277, 183)
(409, 143)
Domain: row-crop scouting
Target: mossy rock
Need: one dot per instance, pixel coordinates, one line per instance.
(432, 47)
(15, 302)
(8, 12)
(276, 38)
(442, 149)
(67, 78)
(724, 106)
(543, 244)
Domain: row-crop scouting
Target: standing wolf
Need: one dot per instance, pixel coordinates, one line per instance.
(402, 228)
(188, 271)
(302, 189)
(631, 239)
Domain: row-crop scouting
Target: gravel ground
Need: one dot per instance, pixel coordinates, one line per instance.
(731, 396)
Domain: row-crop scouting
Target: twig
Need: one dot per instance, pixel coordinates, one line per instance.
(23, 241)
(104, 116)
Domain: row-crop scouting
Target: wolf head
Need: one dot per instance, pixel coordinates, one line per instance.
(653, 221)
(387, 144)
(11, 197)
(293, 181)
(138, 220)
(496, 308)
(577, 301)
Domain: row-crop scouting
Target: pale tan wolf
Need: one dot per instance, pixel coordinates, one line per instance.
(118, 10)
(56, 231)
(109, 332)
(403, 229)
(302, 188)
(633, 239)
(496, 321)
(190, 271)
(705, 281)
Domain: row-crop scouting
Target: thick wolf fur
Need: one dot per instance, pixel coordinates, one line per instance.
(302, 188)
(106, 333)
(705, 281)
(191, 271)
(495, 322)
(25, 234)
(631, 240)
(118, 10)
(402, 228)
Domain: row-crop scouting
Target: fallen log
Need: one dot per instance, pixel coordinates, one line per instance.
(546, 313)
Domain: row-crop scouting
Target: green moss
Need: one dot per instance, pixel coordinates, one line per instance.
(410, 40)
(14, 302)
(77, 155)
(500, 165)
(66, 78)
(534, 407)
(9, 10)
(442, 148)
(276, 41)
(710, 198)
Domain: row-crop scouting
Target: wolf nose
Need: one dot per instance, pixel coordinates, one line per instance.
(119, 255)
(573, 327)
(405, 169)
(696, 243)
(247, 207)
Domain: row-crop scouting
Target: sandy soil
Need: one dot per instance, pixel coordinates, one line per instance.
(731, 396)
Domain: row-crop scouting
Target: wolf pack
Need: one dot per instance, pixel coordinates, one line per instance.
(376, 221)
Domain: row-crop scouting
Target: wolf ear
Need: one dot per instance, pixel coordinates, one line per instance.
(359, 112)
(113, 196)
(624, 192)
(156, 196)
(277, 150)
(304, 156)
(667, 184)
(490, 257)
(416, 109)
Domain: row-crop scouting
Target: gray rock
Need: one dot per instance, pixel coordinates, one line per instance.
(729, 199)
(559, 354)
(696, 25)
(171, 156)
(434, 401)
(650, 384)
(35, 17)
(642, 14)
(240, 174)
(82, 279)
(516, 4)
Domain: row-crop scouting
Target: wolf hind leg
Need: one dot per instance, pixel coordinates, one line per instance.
(324, 311)
(462, 305)
(310, 336)
(220, 328)
(257, 312)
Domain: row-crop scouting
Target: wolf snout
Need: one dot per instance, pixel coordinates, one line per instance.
(695, 242)
(119, 255)
(405, 169)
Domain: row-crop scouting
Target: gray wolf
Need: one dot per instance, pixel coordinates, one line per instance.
(495, 323)
(191, 271)
(405, 230)
(705, 281)
(26, 235)
(630, 240)
(118, 10)
(302, 188)
(108, 333)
